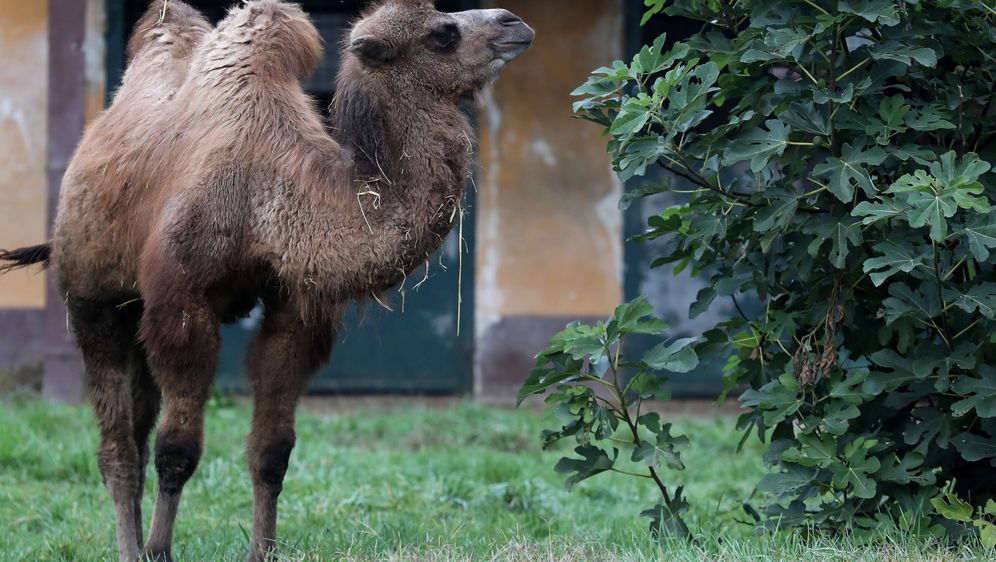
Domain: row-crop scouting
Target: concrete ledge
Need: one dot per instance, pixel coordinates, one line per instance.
(22, 338)
(506, 353)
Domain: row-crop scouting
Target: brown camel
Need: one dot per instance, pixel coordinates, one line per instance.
(211, 184)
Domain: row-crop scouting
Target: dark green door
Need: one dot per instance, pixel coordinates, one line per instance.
(414, 349)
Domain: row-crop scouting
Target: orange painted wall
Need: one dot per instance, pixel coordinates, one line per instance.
(23, 98)
(549, 240)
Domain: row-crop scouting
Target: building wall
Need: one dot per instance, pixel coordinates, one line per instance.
(27, 161)
(549, 240)
(23, 113)
(549, 235)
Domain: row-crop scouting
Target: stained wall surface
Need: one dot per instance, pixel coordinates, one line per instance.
(23, 98)
(549, 239)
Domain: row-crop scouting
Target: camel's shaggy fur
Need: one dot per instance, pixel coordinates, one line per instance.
(211, 184)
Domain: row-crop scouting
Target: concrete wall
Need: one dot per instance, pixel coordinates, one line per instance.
(549, 239)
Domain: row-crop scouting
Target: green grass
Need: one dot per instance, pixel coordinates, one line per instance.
(410, 483)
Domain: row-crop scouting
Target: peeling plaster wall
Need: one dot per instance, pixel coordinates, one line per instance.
(549, 231)
(23, 110)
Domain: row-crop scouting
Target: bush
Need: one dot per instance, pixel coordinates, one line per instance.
(834, 159)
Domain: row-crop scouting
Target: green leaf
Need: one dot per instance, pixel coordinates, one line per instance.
(850, 169)
(635, 317)
(654, 7)
(758, 146)
(907, 470)
(777, 400)
(651, 59)
(980, 233)
(665, 449)
(777, 214)
(857, 469)
(961, 174)
(784, 40)
(632, 195)
(667, 521)
(952, 507)
(594, 461)
(987, 532)
(905, 54)
(929, 119)
(875, 11)
(805, 116)
(541, 379)
(632, 118)
(990, 508)
(893, 258)
(843, 233)
(974, 447)
(650, 385)
(980, 393)
(981, 298)
(783, 483)
(677, 356)
(893, 111)
(849, 388)
(814, 450)
(923, 304)
(875, 211)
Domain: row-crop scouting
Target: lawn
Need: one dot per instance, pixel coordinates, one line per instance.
(409, 482)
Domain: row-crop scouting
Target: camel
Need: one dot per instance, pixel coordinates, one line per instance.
(211, 184)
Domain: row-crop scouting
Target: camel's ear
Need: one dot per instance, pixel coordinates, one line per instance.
(372, 50)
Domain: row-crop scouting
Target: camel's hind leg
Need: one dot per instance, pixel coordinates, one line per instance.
(180, 334)
(106, 336)
(282, 361)
(146, 400)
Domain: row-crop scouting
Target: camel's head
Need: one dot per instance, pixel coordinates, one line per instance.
(411, 43)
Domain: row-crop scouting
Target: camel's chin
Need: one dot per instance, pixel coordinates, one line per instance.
(494, 71)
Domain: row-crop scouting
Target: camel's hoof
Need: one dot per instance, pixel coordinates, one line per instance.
(150, 556)
(262, 556)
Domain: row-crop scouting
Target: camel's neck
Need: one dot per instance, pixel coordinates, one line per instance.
(412, 160)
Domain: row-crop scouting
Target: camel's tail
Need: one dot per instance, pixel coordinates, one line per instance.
(23, 257)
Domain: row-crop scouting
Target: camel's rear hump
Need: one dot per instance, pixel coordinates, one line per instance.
(265, 38)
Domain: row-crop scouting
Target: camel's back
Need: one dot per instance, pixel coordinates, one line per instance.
(107, 199)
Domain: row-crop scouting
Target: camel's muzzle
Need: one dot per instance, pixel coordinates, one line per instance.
(515, 36)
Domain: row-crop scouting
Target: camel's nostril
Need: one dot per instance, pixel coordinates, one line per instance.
(509, 19)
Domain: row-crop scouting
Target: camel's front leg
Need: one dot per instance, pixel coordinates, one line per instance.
(282, 361)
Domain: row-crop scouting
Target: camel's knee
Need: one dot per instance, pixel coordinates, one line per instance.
(270, 463)
(176, 461)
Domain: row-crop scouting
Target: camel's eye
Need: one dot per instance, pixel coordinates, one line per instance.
(445, 37)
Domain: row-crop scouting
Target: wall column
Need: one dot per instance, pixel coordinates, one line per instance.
(67, 97)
